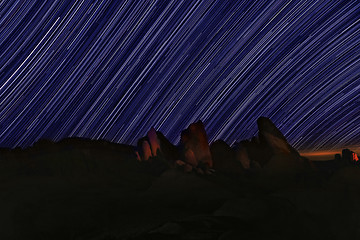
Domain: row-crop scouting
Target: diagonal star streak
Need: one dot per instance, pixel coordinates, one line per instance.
(114, 69)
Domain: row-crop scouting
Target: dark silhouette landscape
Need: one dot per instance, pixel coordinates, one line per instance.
(260, 188)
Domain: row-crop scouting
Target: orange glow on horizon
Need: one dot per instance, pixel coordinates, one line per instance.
(320, 153)
(329, 154)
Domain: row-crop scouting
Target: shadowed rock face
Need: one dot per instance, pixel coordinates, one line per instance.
(224, 158)
(270, 135)
(266, 125)
(270, 144)
(242, 156)
(282, 158)
(194, 138)
(253, 154)
(169, 151)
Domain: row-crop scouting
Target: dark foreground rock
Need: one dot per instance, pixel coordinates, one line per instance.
(260, 189)
(80, 194)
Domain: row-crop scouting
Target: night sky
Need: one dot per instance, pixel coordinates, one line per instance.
(113, 69)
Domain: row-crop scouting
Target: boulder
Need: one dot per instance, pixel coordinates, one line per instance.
(154, 141)
(146, 150)
(271, 136)
(194, 138)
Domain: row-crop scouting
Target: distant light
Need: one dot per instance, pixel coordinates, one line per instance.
(355, 157)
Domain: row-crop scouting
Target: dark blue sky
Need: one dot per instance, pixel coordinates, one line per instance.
(113, 69)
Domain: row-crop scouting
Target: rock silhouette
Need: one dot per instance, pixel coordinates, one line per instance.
(270, 135)
(259, 188)
(270, 150)
(170, 152)
(266, 150)
(225, 159)
(242, 155)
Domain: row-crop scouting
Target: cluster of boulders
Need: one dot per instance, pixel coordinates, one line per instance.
(194, 144)
(269, 150)
(193, 152)
(149, 146)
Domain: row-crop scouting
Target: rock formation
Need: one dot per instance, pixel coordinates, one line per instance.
(271, 136)
(224, 158)
(252, 154)
(194, 139)
(169, 151)
(267, 150)
(154, 141)
(349, 156)
(146, 150)
(242, 156)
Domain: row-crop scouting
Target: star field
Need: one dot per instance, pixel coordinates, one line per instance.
(113, 69)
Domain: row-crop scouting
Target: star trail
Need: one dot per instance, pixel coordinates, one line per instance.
(114, 69)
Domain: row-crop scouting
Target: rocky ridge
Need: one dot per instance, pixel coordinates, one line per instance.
(269, 150)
